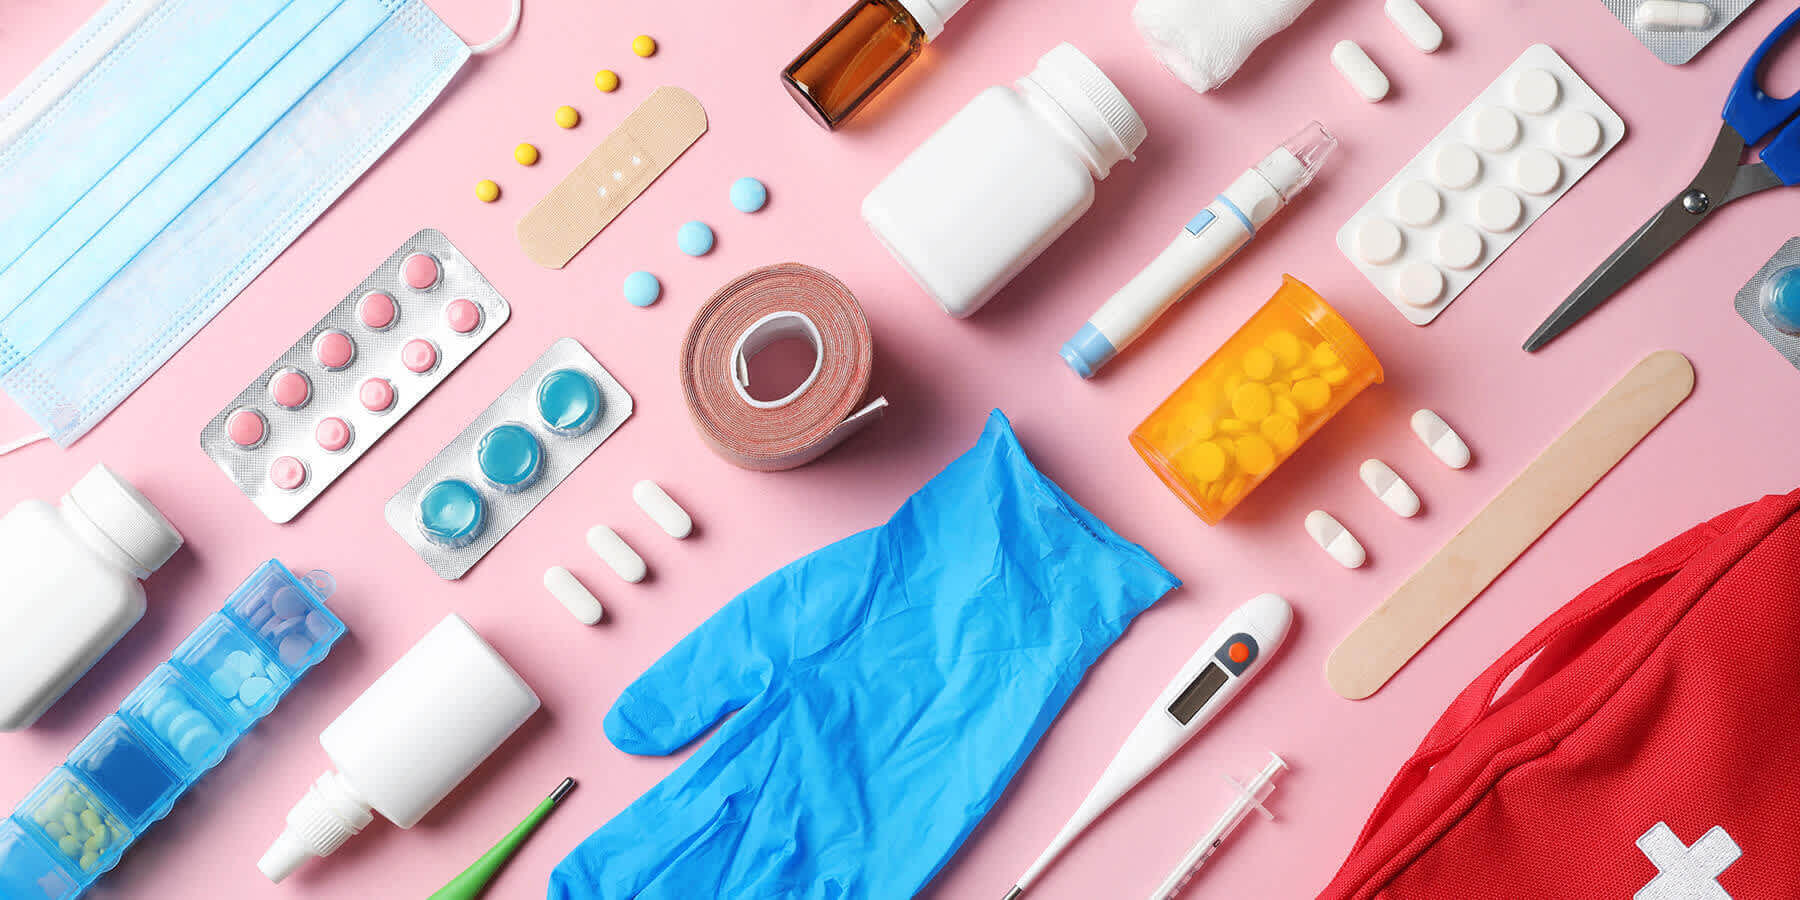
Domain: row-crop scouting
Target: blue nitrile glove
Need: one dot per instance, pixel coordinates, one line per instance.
(887, 687)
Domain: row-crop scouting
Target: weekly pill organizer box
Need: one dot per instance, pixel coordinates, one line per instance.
(172, 729)
(353, 376)
(1469, 194)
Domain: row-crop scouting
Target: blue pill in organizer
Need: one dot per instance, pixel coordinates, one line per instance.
(568, 402)
(748, 195)
(510, 457)
(451, 513)
(1781, 300)
(695, 238)
(642, 289)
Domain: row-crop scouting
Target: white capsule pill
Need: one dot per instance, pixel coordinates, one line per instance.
(1670, 15)
(1389, 488)
(1576, 133)
(1494, 129)
(1537, 172)
(1418, 204)
(1498, 209)
(1416, 24)
(573, 595)
(1440, 438)
(1358, 69)
(1459, 246)
(617, 554)
(1420, 283)
(1535, 91)
(662, 509)
(1378, 241)
(1335, 539)
(1455, 166)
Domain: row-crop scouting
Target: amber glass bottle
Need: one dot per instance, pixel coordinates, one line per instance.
(858, 55)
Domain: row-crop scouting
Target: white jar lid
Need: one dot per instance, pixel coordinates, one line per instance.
(1096, 105)
(126, 517)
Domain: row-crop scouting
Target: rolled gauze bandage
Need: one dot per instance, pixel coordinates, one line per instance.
(1203, 42)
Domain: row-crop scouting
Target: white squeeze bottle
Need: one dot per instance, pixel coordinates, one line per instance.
(423, 726)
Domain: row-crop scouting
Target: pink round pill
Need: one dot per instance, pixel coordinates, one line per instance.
(377, 311)
(419, 355)
(421, 271)
(463, 315)
(333, 434)
(376, 394)
(290, 389)
(333, 349)
(287, 473)
(246, 428)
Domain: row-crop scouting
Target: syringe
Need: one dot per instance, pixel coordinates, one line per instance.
(1250, 796)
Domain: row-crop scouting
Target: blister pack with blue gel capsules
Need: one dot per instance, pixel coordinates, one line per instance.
(1770, 301)
(489, 477)
(171, 730)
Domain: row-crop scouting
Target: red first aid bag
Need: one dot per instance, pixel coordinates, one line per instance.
(1650, 749)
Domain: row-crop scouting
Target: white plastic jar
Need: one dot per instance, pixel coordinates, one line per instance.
(991, 189)
(70, 576)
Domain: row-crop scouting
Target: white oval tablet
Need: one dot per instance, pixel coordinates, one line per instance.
(1494, 129)
(1576, 133)
(1378, 241)
(1455, 166)
(1535, 91)
(1389, 488)
(1442, 440)
(618, 555)
(575, 597)
(1335, 539)
(1357, 68)
(1459, 246)
(1498, 209)
(662, 509)
(1416, 24)
(1537, 172)
(1669, 15)
(1418, 204)
(1420, 283)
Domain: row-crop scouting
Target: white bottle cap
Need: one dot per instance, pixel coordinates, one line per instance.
(126, 517)
(327, 816)
(1072, 82)
(932, 14)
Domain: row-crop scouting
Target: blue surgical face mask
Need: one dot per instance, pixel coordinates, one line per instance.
(167, 153)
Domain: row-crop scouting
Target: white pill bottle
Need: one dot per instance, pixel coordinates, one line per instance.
(71, 575)
(422, 727)
(975, 203)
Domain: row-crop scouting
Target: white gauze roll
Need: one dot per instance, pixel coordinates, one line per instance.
(1203, 42)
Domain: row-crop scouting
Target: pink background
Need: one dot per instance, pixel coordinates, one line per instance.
(1730, 443)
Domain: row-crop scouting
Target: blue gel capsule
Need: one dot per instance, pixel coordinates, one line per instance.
(568, 402)
(509, 457)
(451, 513)
(1781, 300)
(748, 194)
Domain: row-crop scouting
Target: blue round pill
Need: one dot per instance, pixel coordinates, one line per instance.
(642, 289)
(695, 238)
(748, 195)
(568, 401)
(451, 513)
(1781, 300)
(509, 457)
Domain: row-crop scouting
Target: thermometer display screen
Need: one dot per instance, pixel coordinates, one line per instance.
(1194, 697)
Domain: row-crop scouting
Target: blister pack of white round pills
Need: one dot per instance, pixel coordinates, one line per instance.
(1471, 192)
(1676, 30)
(354, 375)
(490, 476)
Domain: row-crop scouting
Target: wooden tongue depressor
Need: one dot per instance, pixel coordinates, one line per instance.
(1523, 511)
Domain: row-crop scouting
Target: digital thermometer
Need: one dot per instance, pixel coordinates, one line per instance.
(1218, 671)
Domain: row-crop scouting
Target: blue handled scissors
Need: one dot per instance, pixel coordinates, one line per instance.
(1750, 116)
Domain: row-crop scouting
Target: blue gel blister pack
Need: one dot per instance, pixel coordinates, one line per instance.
(170, 731)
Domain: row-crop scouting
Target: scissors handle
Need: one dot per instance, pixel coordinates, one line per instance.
(1753, 113)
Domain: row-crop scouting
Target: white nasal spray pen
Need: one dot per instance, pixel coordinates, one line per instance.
(1210, 238)
(1218, 671)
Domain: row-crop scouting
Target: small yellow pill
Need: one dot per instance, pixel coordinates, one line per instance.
(89, 861)
(1284, 406)
(71, 824)
(1201, 427)
(1252, 402)
(95, 843)
(1214, 491)
(643, 45)
(1323, 357)
(1335, 375)
(1282, 432)
(525, 155)
(1234, 426)
(69, 846)
(1259, 364)
(1285, 346)
(1312, 394)
(1235, 491)
(606, 80)
(1280, 388)
(90, 818)
(1205, 462)
(567, 117)
(487, 191)
(1230, 384)
(1300, 372)
(1255, 454)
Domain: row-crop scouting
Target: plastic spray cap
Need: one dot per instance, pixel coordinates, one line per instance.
(330, 814)
(475, 878)
(932, 14)
(1291, 166)
(126, 517)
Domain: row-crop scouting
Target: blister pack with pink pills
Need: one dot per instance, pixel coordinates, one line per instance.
(355, 374)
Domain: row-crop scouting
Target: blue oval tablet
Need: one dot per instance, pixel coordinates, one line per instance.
(695, 238)
(509, 457)
(1781, 300)
(451, 513)
(568, 401)
(748, 195)
(642, 289)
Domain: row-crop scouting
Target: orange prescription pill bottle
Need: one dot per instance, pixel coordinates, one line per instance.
(1267, 389)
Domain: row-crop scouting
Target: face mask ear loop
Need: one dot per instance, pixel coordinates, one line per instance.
(512, 27)
(25, 441)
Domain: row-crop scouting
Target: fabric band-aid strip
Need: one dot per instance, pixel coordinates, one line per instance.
(668, 122)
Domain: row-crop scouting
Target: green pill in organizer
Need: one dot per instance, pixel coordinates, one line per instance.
(510, 458)
(568, 402)
(451, 513)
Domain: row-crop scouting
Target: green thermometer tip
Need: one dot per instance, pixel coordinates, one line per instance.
(475, 878)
